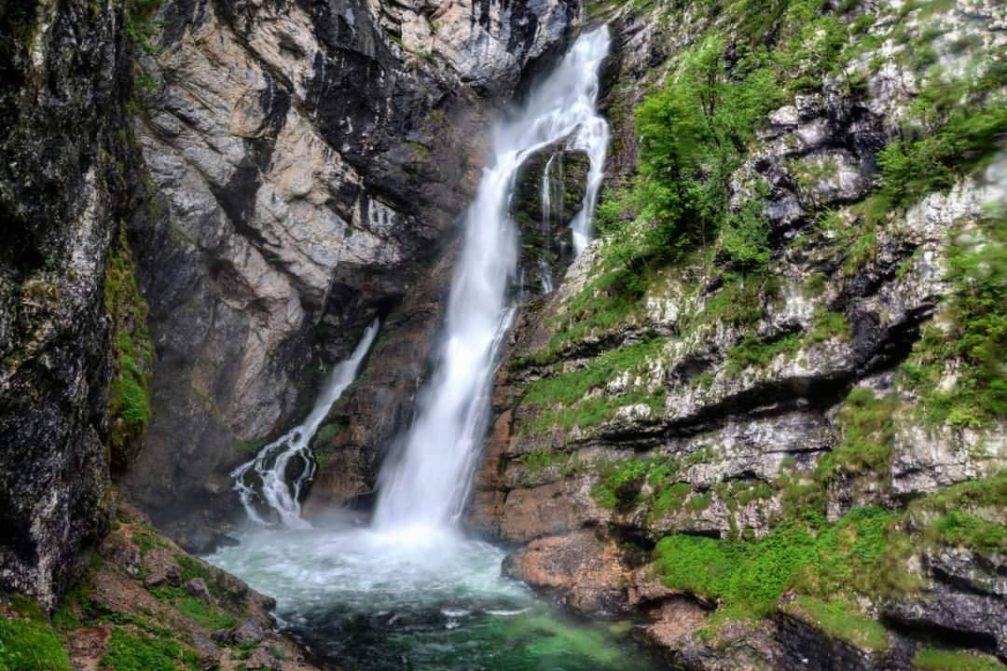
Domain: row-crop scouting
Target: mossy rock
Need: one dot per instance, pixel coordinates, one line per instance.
(546, 238)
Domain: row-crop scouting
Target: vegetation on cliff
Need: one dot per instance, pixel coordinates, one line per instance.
(145, 605)
(129, 400)
(802, 176)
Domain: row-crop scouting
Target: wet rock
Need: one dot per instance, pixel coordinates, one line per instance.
(197, 588)
(548, 195)
(159, 567)
(589, 580)
(247, 632)
(65, 184)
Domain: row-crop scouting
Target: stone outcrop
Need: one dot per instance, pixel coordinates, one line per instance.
(65, 181)
(727, 395)
(312, 158)
(548, 195)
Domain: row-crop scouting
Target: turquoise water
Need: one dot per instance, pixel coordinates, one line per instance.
(421, 599)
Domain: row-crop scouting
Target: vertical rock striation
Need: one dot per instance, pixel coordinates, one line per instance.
(64, 190)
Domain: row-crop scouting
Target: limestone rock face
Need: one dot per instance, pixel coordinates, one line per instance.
(311, 158)
(64, 177)
(725, 395)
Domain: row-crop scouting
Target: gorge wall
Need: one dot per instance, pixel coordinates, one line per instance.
(311, 159)
(64, 193)
(766, 408)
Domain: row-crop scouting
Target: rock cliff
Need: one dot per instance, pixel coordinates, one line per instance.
(65, 184)
(311, 158)
(765, 406)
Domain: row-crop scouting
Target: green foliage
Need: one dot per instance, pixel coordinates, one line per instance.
(976, 336)
(538, 461)
(140, 652)
(959, 515)
(739, 303)
(828, 325)
(564, 398)
(567, 388)
(141, 26)
(129, 402)
(749, 576)
(753, 351)
(29, 643)
(620, 483)
(911, 168)
(693, 134)
(868, 428)
(841, 620)
(745, 237)
(935, 659)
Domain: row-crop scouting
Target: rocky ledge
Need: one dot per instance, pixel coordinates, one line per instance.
(144, 603)
(742, 414)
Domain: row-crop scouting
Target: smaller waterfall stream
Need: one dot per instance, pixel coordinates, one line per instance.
(271, 462)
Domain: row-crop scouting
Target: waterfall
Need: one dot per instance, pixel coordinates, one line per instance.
(271, 462)
(427, 486)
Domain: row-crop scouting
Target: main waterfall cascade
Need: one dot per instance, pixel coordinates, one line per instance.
(428, 485)
(409, 591)
(271, 462)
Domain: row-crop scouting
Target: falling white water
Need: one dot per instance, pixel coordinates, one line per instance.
(548, 186)
(428, 485)
(270, 464)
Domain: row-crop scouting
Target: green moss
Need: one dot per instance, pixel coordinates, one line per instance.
(828, 325)
(129, 402)
(129, 651)
(754, 352)
(868, 428)
(841, 620)
(935, 659)
(749, 576)
(29, 643)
